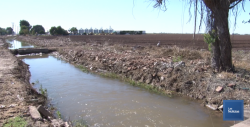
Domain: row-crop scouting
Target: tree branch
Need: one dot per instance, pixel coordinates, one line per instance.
(234, 4)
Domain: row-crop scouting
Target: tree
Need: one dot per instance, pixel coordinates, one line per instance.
(3, 31)
(24, 30)
(25, 27)
(217, 12)
(25, 23)
(53, 30)
(37, 29)
(58, 31)
(73, 30)
(9, 30)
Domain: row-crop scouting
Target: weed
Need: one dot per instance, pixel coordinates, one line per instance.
(15, 122)
(43, 91)
(59, 115)
(177, 59)
(82, 68)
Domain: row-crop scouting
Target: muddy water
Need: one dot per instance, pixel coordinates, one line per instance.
(111, 103)
(106, 102)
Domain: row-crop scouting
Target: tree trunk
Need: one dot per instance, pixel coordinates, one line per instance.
(215, 61)
(222, 49)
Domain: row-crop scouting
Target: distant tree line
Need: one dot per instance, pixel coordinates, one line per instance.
(26, 28)
(58, 31)
(7, 31)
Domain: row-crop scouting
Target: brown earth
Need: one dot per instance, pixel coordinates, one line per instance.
(181, 40)
(184, 71)
(16, 93)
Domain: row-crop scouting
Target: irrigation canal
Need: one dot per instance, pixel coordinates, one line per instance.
(111, 103)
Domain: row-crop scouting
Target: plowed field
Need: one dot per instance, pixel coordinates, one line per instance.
(181, 40)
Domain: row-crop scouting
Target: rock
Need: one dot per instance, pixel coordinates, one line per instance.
(66, 124)
(57, 123)
(148, 81)
(40, 124)
(12, 105)
(221, 107)
(159, 74)
(2, 106)
(179, 64)
(34, 113)
(43, 111)
(169, 70)
(213, 107)
(219, 88)
(231, 85)
(162, 78)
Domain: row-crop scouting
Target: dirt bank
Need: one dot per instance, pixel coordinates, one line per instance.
(185, 71)
(17, 94)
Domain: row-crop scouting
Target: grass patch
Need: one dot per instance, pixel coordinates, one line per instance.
(134, 83)
(82, 68)
(177, 59)
(15, 122)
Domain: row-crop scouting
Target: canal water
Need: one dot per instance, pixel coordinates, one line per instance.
(111, 103)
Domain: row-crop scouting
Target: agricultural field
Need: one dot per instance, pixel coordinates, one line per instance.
(180, 40)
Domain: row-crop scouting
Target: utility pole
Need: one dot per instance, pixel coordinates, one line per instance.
(12, 27)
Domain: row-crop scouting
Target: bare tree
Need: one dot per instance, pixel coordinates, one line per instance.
(216, 17)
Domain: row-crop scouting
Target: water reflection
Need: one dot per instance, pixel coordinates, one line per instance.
(17, 44)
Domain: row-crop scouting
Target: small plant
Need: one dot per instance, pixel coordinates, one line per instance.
(177, 59)
(15, 122)
(43, 91)
(210, 39)
(59, 115)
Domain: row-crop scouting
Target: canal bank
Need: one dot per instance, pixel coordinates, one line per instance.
(99, 101)
(17, 96)
(90, 56)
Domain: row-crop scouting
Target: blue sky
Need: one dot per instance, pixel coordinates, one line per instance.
(119, 14)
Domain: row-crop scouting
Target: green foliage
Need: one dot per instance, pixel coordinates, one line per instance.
(73, 30)
(25, 27)
(177, 59)
(25, 23)
(58, 31)
(210, 38)
(43, 91)
(9, 30)
(82, 68)
(3, 31)
(15, 122)
(59, 115)
(24, 30)
(37, 29)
